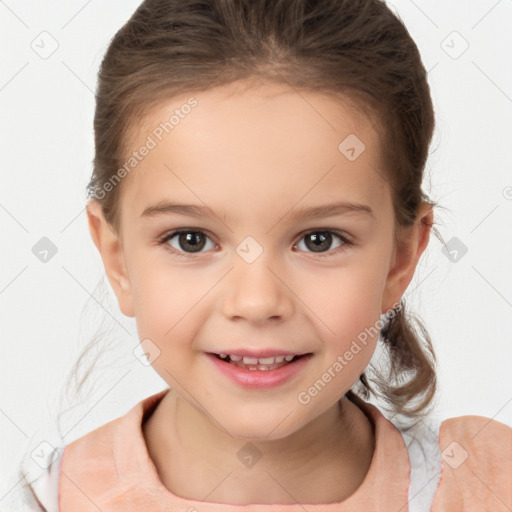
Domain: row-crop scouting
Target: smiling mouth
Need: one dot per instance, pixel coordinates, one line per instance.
(259, 363)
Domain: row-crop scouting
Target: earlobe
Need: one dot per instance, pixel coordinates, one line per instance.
(413, 241)
(110, 248)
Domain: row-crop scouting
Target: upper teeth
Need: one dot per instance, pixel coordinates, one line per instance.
(257, 360)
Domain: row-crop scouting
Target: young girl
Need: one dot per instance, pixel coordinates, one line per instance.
(256, 200)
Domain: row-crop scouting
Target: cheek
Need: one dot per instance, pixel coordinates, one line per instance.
(169, 301)
(349, 296)
(167, 305)
(347, 305)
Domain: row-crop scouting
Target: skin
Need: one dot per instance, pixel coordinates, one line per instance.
(254, 156)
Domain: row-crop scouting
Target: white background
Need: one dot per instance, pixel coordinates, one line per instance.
(49, 311)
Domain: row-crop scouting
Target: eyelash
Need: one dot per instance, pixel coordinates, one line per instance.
(342, 236)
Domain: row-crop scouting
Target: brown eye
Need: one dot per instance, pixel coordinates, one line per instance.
(187, 241)
(321, 241)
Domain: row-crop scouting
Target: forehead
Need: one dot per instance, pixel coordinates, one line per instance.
(251, 141)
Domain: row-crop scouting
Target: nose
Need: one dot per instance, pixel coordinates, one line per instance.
(257, 292)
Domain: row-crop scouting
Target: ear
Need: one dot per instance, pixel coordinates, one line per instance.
(110, 248)
(412, 241)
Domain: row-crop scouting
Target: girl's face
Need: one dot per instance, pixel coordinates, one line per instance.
(287, 248)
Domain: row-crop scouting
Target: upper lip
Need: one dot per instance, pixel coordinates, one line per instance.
(270, 352)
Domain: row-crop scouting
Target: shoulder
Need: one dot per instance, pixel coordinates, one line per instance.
(53, 464)
(461, 463)
(46, 487)
(422, 443)
(102, 464)
(476, 469)
(47, 463)
(39, 475)
(110, 441)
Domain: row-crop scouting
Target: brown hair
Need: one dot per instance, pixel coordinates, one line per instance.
(356, 50)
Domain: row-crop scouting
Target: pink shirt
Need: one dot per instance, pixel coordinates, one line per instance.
(109, 469)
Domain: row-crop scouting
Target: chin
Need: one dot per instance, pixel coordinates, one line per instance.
(259, 426)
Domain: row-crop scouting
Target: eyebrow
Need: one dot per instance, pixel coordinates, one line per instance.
(316, 212)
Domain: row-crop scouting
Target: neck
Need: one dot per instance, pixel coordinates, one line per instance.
(324, 462)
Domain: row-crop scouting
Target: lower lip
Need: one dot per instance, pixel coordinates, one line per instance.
(260, 379)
